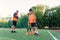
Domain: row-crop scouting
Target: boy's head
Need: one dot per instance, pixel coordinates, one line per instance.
(17, 11)
(30, 10)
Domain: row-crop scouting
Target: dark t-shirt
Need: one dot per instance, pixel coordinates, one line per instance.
(14, 15)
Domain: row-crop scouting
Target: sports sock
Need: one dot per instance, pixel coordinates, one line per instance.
(36, 32)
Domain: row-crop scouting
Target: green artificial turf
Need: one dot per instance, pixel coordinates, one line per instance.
(20, 35)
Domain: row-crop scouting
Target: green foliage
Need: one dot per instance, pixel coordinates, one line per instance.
(53, 15)
(3, 24)
(9, 24)
(50, 18)
(39, 19)
(22, 22)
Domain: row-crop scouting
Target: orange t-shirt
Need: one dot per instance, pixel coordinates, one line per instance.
(32, 18)
(14, 18)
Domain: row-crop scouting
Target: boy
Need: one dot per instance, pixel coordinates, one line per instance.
(32, 20)
(15, 18)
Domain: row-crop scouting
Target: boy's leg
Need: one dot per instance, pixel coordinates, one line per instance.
(13, 29)
(36, 30)
(27, 30)
(30, 29)
(32, 25)
(33, 30)
(13, 26)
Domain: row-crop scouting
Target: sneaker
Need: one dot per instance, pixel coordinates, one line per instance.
(36, 34)
(13, 31)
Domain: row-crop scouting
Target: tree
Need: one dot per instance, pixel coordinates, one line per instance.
(22, 22)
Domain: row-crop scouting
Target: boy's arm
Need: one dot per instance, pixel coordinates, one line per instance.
(16, 15)
(28, 23)
(35, 16)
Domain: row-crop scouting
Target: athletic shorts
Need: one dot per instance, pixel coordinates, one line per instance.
(14, 23)
(33, 25)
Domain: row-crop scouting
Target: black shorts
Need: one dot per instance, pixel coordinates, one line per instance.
(33, 25)
(14, 23)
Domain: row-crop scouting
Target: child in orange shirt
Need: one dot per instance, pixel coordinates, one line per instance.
(15, 18)
(32, 20)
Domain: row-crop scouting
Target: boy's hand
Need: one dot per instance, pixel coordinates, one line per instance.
(28, 24)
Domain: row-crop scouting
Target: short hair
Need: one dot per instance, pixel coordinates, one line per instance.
(17, 11)
(30, 10)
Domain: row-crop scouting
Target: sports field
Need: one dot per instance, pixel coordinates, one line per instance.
(5, 34)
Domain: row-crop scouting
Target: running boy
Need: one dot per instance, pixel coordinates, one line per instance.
(15, 18)
(32, 20)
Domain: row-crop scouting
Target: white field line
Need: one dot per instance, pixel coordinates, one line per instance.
(52, 35)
